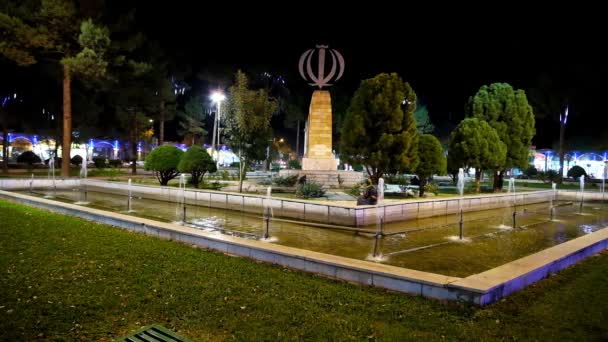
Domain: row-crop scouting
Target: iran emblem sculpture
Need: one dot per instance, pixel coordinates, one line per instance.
(318, 137)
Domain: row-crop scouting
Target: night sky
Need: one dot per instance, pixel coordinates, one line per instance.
(446, 53)
(445, 57)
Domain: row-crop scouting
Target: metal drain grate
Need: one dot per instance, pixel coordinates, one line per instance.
(154, 333)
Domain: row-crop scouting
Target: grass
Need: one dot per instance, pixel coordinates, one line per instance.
(62, 278)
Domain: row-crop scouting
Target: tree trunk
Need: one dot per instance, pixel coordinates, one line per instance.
(4, 147)
(562, 133)
(67, 122)
(133, 143)
(213, 137)
(161, 125)
(498, 180)
(241, 169)
(298, 141)
(477, 180)
(4, 115)
(423, 181)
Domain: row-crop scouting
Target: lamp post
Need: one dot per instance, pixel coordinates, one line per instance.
(217, 97)
(563, 119)
(267, 164)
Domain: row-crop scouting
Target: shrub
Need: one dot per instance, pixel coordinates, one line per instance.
(294, 164)
(115, 163)
(576, 172)
(549, 176)
(196, 161)
(163, 160)
(29, 158)
(358, 167)
(396, 179)
(531, 172)
(286, 180)
(310, 189)
(57, 162)
(100, 163)
(275, 167)
(355, 190)
(432, 188)
(111, 173)
(76, 160)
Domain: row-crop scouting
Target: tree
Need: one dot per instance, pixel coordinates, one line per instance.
(55, 30)
(196, 162)
(192, 123)
(431, 159)
(295, 115)
(423, 121)
(166, 106)
(29, 158)
(164, 160)
(248, 122)
(576, 172)
(379, 130)
(508, 112)
(132, 97)
(474, 143)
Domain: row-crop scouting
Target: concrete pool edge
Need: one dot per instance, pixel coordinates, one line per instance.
(483, 288)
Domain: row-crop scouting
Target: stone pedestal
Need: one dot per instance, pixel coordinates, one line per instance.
(327, 178)
(318, 154)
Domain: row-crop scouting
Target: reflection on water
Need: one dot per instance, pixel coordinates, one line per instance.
(430, 244)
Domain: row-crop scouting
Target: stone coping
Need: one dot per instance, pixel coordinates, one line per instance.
(331, 203)
(496, 277)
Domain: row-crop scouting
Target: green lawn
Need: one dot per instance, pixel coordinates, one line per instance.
(63, 278)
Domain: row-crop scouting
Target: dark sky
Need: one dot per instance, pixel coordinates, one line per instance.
(446, 53)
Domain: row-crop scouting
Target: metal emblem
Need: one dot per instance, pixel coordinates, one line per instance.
(320, 80)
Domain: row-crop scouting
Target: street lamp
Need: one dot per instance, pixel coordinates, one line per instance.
(217, 97)
(271, 141)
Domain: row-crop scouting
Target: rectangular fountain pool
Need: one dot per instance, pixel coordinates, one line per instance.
(429, 244)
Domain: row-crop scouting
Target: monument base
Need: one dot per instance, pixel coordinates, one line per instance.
(319, 164)
(328, 178)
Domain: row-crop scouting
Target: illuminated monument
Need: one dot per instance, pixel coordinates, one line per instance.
(321, 66)
(317, 140)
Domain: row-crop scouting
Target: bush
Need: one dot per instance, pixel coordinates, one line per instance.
(100, 163)
(111, 173)
(57, 161)
(76, 160)
(275, 167)
(432, 188)
(115, 163)
(294, 164)
(396, 179)
(549, 176)
(196, 161)
(576, 172)
(358, 167)
(29, 158)
(211, 186)
(355, 190)
(286, 180)
(163, 160)
(310, 189)
(531, 172)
